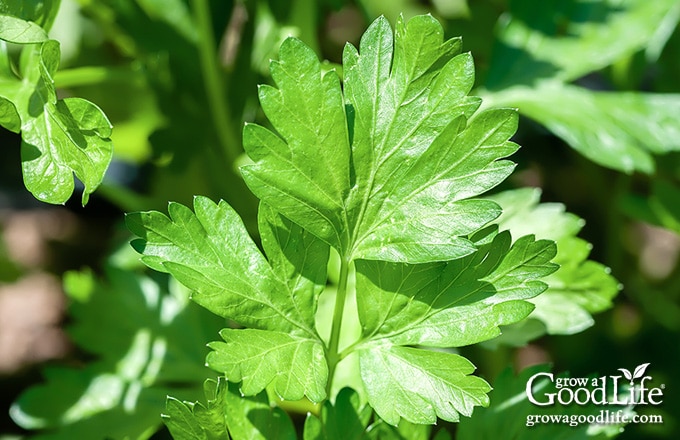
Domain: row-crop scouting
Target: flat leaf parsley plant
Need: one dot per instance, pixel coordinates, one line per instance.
(380, 174)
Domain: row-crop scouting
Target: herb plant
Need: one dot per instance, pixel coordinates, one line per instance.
(384, 171)
(348, 299)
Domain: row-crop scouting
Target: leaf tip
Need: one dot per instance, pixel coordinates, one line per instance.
(85, 198)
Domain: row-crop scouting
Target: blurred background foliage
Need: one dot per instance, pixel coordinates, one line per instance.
(597, 84)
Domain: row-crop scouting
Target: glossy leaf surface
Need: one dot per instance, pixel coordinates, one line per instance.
(385, 171)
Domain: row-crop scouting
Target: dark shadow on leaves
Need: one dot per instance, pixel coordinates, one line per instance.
(440, 285)
(554, 18)
(511, 66)
(29, 152)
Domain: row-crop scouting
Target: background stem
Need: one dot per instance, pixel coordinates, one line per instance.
(214, 86)
(89, 75)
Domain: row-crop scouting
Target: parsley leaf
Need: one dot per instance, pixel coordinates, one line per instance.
(227, 413)
(420, 385)
(580, 287)
(60, 137)
(622, 139)
(16, 30)
(567, 40)
(385, 173)
(451, 304)
(210, 251)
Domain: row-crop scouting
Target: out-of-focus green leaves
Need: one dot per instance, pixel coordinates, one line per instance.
(175, 13)
(578, 289)
(379, 430)
(9, 270)
(148, 343)
(659, 207)
(40, 12)
(629, 128)
(509, 416)
(393, 9)
(541, 46)
(565, 40)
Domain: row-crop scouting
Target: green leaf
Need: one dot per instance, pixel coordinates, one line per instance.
(188, 421)
(255, 418)
(183, 424)
(147, 343)
(40, 12)
(580, 287)
(227, 413)
(630, 127)
(420, 385)
(60, 138)
(9, 118)
(211, 253)
(295, 256)
(452, 304)
(297, 366)
(346, 419)
(379, 430)
(568, 39)
(175, 13)
(387, 172)
(16, 30)
(308, 111)
(509, 412)
(10, 271)
(659, 208)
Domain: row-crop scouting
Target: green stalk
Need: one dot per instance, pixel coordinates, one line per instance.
(302, 407)
(91, 75)
(214, 87)
(333, 355)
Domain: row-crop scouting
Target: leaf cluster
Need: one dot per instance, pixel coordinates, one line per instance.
(383, 170)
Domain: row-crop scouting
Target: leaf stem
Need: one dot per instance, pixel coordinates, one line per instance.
(333, 355)
(214, 86)
(91, 75)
